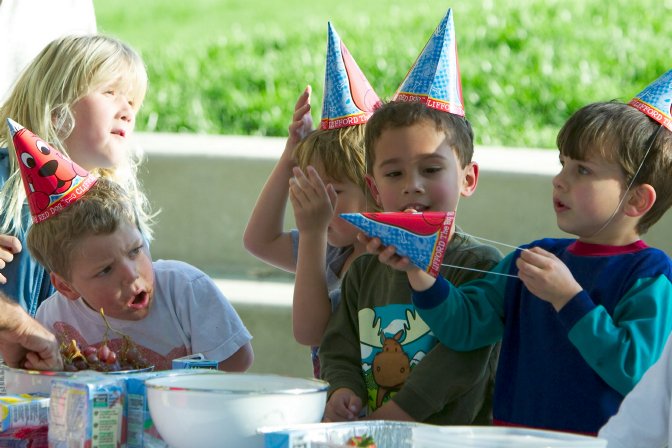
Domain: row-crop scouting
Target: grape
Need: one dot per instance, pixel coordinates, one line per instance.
(111, 358)
(80, 364)
(133, 355)
(104, 353)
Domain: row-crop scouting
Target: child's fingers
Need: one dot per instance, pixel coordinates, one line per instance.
(388, 255)
(333, 197)
(297, 195)
(535, 258)
(10, 243)
(297, 118)
(314, 178)
(299, 178)
(373, 245)
(303, 98)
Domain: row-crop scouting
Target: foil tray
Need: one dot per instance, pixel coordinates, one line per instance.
(386, 434)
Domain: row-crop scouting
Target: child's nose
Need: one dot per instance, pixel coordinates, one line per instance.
(126, 111)
(130, 272)
(558, 181)
(413, 185)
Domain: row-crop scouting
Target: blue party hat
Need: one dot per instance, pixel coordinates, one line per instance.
(656, 100)
(434, 78)
(349, 99)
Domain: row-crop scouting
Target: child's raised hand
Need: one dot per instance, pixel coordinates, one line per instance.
(343, 405)
(9, 246)
(547, 277)
(313, 202)
(302, 121)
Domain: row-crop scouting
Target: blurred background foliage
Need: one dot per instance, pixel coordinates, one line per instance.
(237, 66)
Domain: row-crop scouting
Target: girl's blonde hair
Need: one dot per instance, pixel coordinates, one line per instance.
(66, 70)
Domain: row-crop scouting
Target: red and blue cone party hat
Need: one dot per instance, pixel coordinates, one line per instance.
(349, 99)
(434, 78)
(52, 181)
(656, 100)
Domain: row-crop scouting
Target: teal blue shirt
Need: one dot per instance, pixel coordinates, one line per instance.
(566, 370)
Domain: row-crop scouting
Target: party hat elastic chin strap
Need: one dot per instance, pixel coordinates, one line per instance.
(632, 182)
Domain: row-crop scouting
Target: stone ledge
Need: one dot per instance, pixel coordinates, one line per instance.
(504, 159)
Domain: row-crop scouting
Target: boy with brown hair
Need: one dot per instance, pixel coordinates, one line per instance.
(377, 353)
(86, 233)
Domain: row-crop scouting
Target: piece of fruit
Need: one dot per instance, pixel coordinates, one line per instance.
(365, 441)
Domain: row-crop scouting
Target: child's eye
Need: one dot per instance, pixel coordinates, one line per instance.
(433, 169)
(393, 174)
(103, 272)
(583, 170)
(135, 251)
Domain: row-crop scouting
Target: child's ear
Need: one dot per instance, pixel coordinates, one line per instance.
(641, 199)
(470, 179)
(63, 286)
(371, 183)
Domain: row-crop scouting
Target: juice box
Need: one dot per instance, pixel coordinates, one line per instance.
(18, 411)
(196, 361)
(87, 413)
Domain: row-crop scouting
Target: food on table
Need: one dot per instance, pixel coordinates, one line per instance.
(365, 441)
(103, 358)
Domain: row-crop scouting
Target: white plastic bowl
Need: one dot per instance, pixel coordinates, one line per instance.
(22, 381)
(225, 410)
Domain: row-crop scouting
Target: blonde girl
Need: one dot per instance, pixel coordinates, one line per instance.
(81, 94)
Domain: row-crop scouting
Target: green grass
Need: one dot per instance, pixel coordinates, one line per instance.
(236, 67)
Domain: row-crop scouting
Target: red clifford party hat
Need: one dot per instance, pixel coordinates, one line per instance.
(656, 100)
(349, 99)
(52, 181)
(434, 78)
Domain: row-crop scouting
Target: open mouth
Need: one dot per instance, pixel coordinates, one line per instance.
(414, 208)
(559, 206)
(139, 301)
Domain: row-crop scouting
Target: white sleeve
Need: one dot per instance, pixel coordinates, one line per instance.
(28, 26)
(643, 419)
(214, 325)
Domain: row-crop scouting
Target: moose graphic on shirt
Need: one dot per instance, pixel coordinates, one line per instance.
(393, 340)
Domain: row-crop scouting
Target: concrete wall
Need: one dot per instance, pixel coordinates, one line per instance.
(206, 187)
